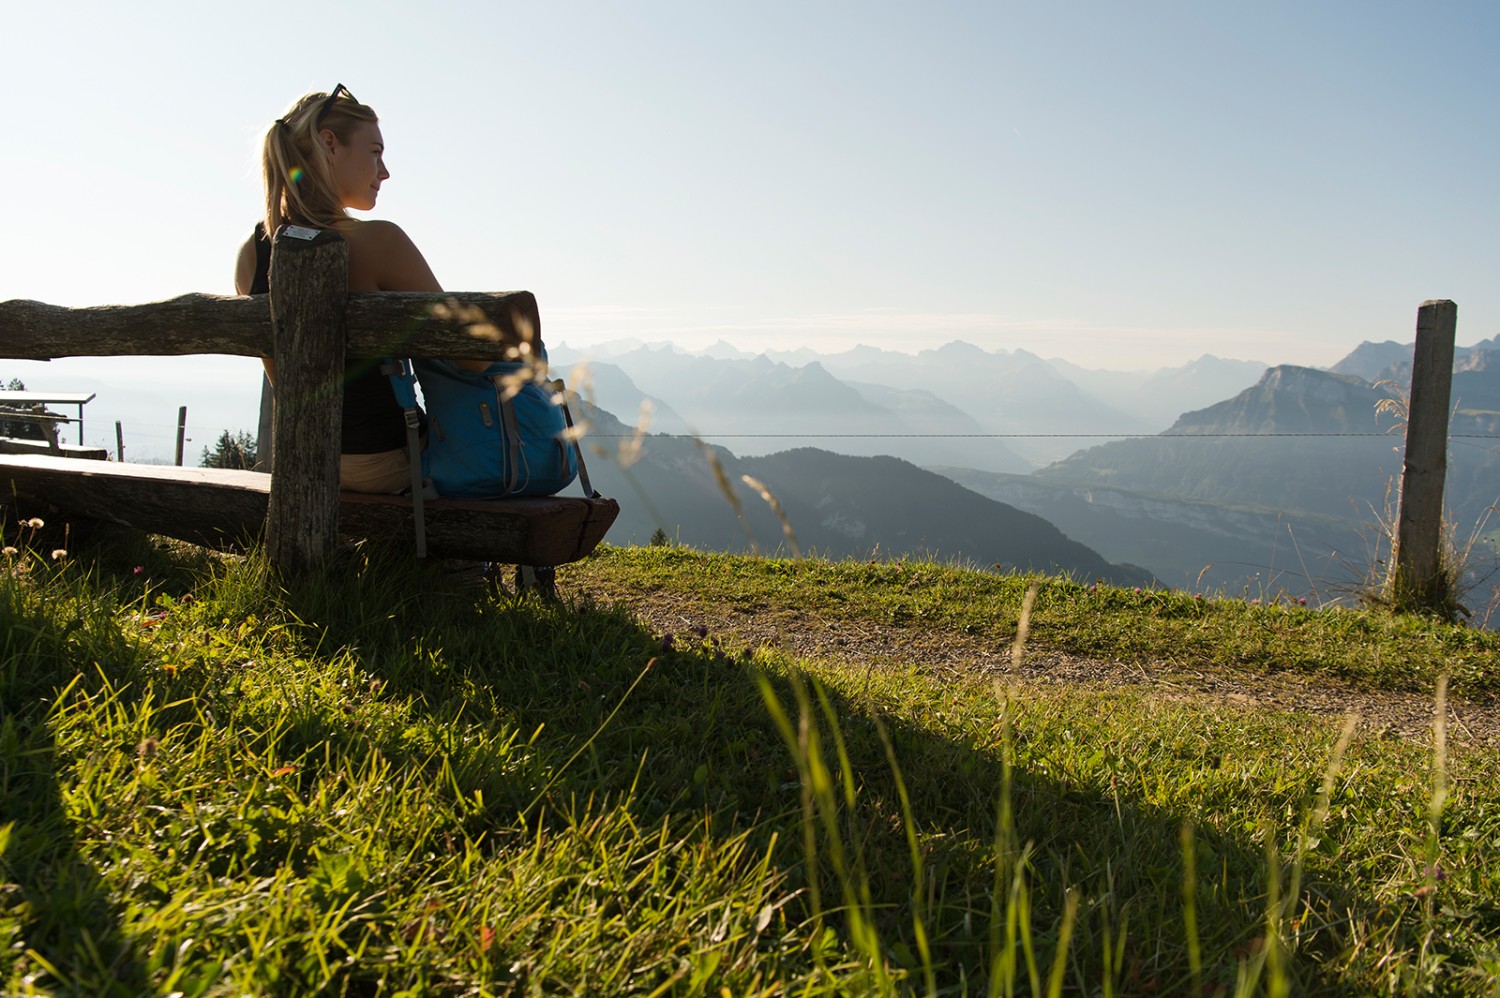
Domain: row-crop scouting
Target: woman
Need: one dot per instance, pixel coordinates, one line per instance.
(326, 155)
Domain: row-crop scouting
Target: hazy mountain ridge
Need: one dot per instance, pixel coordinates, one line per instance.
(1196, 505)
(757, 405)
(1291, 399)
(1016, 397)
(1191, 505)
(1195, 545)
(1328, 475)
(1329, 492)
(838, 505)
(1159, 397)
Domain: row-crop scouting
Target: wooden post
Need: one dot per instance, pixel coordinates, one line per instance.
(309, 293)
(265, 441)
(119, 441)
(181, 432)
(1416, 580)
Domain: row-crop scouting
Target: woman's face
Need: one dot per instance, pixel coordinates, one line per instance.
(359, 167)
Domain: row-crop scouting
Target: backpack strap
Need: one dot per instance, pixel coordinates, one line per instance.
(403, 383)
(512, 437)
(583, 471)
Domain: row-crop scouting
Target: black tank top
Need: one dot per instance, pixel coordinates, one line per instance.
(372, 421)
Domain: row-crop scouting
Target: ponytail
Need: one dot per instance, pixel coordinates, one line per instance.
(299, 181)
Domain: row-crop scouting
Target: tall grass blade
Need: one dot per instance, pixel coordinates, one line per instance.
(775, 504)
(1190, 906)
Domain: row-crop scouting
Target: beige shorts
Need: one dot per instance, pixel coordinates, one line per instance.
(385, 473)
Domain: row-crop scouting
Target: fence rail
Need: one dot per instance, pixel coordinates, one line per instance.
(307, 324)
(409, 324)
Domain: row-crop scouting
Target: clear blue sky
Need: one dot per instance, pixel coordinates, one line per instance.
(1126, 185)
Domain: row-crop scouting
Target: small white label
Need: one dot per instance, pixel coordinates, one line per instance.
(300, 232)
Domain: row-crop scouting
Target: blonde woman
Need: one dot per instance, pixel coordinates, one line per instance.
(323, 157)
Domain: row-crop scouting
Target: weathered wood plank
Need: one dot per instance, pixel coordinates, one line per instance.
(381, 324)
(15, 445)
(225, 509)
(530, 530)
(215, 507)
(309, 290)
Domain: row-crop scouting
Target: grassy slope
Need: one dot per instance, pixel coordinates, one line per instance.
(371, 782)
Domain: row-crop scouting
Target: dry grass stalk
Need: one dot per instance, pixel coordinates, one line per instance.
(1023, 627)
(722, 480)
(775, 504)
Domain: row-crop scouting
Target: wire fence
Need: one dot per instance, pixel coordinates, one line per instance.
(1016, 436)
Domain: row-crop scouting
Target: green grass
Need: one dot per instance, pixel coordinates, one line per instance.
(1381, 651)
(376, 783)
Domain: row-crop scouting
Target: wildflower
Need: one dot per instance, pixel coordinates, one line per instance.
(1255, 602)
(10, 552)
(147, 748)
(1302, 601)
(1137, 590)
(702, 630)
(137, 570)
(667, 641)
(35, 523)
(1198, 597)
(58, 554)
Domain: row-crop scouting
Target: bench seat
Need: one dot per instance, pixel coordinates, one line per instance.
(16, 445)
(226, 509)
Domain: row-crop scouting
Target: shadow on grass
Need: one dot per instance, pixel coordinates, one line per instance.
(56, 914)
(677, 732)
(690, 740)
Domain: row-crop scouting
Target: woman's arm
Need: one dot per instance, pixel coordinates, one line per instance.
(244, 276)
(397, 265)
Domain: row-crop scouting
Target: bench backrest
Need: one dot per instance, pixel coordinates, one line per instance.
(307, 324)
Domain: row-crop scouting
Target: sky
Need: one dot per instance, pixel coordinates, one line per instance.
(1124, 185)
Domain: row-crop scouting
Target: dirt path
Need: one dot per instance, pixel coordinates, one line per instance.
(1470, 725)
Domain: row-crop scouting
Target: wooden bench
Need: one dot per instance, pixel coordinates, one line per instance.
(307, 323)
(226, 509)
(49, 442)
(22, 405)
(14, 445)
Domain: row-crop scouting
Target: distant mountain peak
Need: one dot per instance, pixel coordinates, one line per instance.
(724, 350)
(1296, 380)
(958, 349)
(1369, 359)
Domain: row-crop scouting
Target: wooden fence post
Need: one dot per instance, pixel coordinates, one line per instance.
(309, 295)
(181, 432)
(1417, 580)
(264, 435)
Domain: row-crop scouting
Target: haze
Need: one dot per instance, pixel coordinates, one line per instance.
(1124, 186)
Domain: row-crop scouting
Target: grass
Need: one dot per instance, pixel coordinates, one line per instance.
(374, 783)
(1383, 651)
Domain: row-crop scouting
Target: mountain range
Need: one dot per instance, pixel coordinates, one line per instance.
(1262, 477)
(836, 505)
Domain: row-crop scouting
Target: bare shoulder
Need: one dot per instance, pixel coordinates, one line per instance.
(389, 258)
(379, 232)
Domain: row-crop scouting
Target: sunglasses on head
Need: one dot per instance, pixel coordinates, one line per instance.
(328, 103)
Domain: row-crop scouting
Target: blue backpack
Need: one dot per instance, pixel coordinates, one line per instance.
(491, 433)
